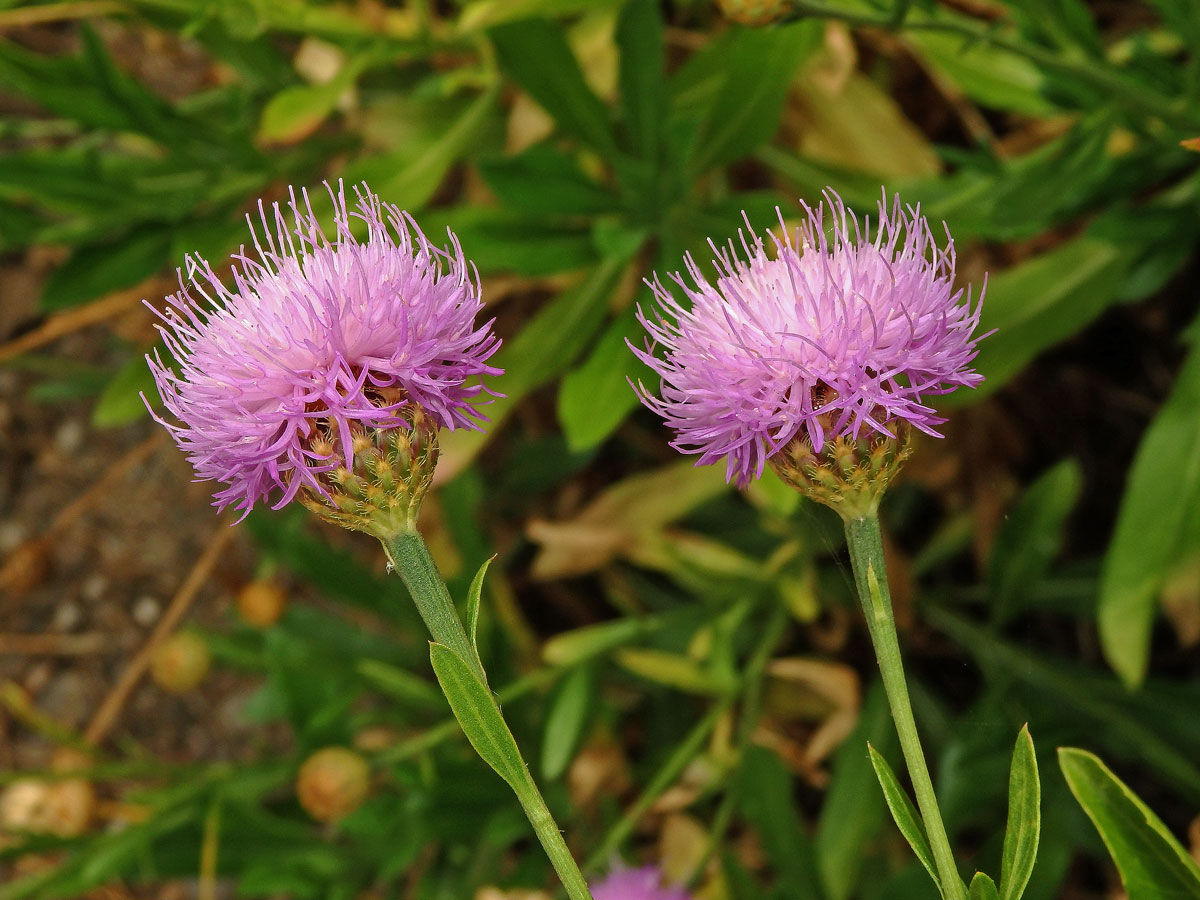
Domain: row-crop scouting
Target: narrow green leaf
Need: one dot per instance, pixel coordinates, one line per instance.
(546, 345)
(639, 36)
(552, 339)
(595, 397)
(477, 713)
(574, 646)
(851, 817)
(904, 813)
(568, 715)
(536, 54)
(759, 65)
(1183, 16)
(1024, 820)
(96, 269)
(399, 683)
(527, 243)
(1152, 863)
(1067, 23)
(486, 13)
(768, 802)
(989, 75)
(1147, 727)
(982, 888)
(121, 400)
(1041, 301)
(409, 182)
(1030, 538)
(91, 89)
(670, 669)
(544, 180)
(1161, 497)
(299, 109)
(474, 593)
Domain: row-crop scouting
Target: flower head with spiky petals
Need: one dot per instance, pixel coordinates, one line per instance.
(319, 341)
(840, 332)
(636, 884)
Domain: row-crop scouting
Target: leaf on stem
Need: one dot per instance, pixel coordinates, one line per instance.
(982, 888)
(473, 595)
(905, 814)
(1024, 820)
(478, 714)
(1152, 863)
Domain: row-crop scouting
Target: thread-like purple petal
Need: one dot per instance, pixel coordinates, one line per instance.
(309, 331)
(837, 322)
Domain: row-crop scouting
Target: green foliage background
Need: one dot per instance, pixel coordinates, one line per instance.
(575, 148)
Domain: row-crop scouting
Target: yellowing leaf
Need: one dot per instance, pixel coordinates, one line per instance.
(616, 521)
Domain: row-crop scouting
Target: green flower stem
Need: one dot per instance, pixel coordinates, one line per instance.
(551, 837)
(410, 557)
(870, 576)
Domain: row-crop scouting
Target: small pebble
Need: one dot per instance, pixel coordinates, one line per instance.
(37, 677)
(67, 617)
(69, 436)
(68, 698)
(146, 611)
(11, 535)
(93, 587)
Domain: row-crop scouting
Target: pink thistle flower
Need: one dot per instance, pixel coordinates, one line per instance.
(636, 884)
(832, 335)
(317, 340)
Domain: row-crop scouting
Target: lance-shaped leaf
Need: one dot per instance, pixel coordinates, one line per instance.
(1152, 863)
(982, 888)
(536, 54)
(569, 714)
(477, 713)
(1024, 820)
(1158, 511)
(904, 813)
(474, 593)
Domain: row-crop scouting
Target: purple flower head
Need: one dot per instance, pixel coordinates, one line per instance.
(636, 884)
(833, 334)
(318, 337)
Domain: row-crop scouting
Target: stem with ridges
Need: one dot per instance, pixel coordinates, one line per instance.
(410, 558)
(552, 840)
(866, 556)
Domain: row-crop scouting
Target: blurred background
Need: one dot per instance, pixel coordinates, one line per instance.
(683, 664)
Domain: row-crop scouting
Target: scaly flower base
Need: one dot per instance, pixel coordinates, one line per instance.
(850, 476)
(392, 470)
